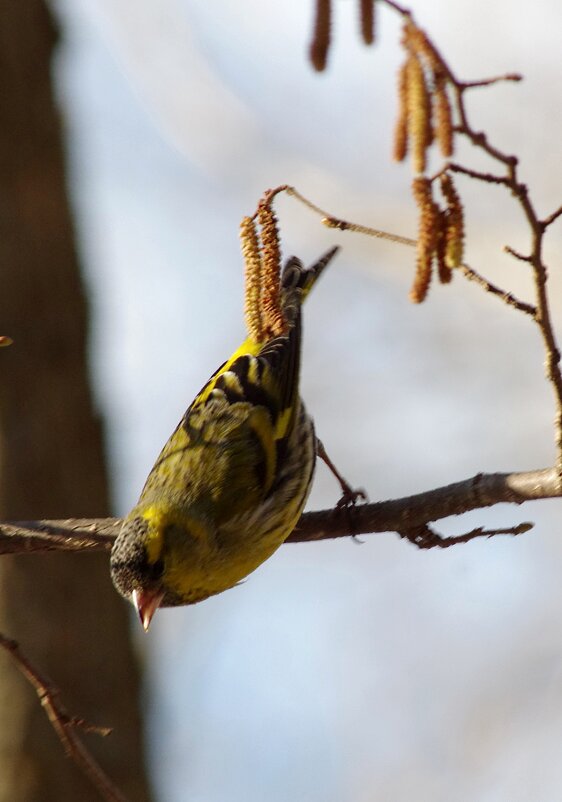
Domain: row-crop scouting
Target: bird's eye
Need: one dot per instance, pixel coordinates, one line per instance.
(157, 569)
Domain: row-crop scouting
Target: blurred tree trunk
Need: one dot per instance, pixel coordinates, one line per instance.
(61, 608)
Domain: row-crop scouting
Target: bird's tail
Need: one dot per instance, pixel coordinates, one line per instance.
(282, 353)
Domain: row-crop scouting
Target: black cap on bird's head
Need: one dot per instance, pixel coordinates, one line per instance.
(156, 561)
(134, 576)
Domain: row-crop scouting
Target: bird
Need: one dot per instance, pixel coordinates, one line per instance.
(232, 481)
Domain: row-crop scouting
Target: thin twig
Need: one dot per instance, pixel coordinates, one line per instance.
(489, 178)
(344, 225)
(331, 221)
(478, 138)
(377, 233)
(64, 724)
(520, 256)
(424, 537)
(402, 10)
(505, 296)
(510, 76)
(548, 221)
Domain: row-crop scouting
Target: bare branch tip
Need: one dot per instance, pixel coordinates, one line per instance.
(516, 254)
(548, 221)
(524, 526)
(86, 726)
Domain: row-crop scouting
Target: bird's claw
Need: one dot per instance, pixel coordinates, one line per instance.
(350, 497)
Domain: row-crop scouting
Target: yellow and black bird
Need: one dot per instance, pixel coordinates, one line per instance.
(231, 482)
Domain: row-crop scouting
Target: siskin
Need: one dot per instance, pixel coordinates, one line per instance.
(231, 482)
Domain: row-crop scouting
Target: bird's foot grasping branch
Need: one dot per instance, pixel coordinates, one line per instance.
(350, 496)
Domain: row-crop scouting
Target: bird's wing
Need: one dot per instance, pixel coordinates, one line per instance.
(226, 452)
(224, 455)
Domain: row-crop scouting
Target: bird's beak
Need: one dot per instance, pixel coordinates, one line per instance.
(146, 603)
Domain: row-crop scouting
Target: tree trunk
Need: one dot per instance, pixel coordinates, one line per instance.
(60, 608)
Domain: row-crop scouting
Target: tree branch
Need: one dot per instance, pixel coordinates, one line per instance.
(541, 312)
(407, 514)
(75, 534)
(64, 724)
(404, 516)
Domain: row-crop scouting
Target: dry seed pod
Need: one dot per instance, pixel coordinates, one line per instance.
(367, 13)
(428, 236)
(454, 233)
(322, 34)
(419, 112)
(443, 116)
(252, 279)
(400, 146)
(272, 316)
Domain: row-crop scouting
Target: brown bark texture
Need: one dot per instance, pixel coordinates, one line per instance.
(60, 608)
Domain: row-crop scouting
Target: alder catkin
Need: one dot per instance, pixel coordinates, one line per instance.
(454, 233)
(419, 112)
(443, 270)
(443, 116)
(252, 279)
(272, 315)
(400, 144)
(418, 41)
(428, 234)
(321, 35)
(367, 16)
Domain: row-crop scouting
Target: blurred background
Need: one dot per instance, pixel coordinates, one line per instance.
(338, 671)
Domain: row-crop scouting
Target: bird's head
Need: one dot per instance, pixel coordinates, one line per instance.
(152, 562)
